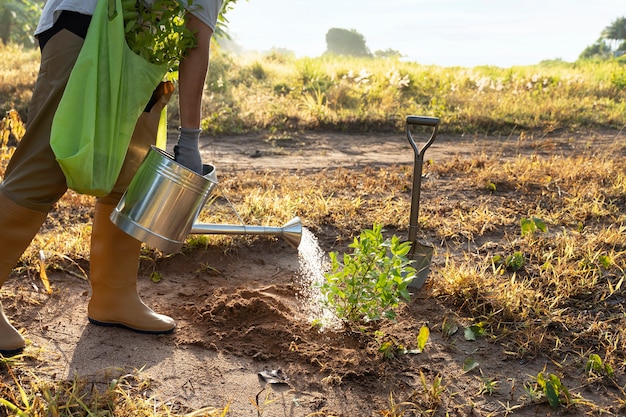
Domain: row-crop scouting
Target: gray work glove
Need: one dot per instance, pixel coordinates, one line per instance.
(186, 151)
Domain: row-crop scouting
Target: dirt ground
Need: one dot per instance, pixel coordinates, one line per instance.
(243, 312)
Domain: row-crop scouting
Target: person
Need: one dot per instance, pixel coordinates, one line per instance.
(33, 181)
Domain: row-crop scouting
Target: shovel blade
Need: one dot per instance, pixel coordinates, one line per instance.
(421, 255)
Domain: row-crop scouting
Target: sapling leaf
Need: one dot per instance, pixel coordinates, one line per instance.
(371, 281)
(594, 364)
(605, 261)
(515, 261)
(532, 225)
(157, 31)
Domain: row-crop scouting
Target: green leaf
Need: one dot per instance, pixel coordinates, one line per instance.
(469, 364)
(605, 261)
(531, 225)
(594, 364)
(527, 226)
(449, 328)
(469, 334)
(540, 224)
(541, 380)
(156, 277)
(552, 394)
(422, 337)
(515, 261)
(474, 331)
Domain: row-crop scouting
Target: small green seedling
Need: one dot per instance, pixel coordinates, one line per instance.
(554, 390)
(474, 331)
(488, 386)
(156, 277)
(513, 262)
(596, 367)
(530, 226)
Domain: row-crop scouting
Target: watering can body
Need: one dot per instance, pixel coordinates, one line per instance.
(163, 201)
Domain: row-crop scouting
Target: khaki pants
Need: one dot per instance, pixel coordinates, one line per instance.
(33, 178)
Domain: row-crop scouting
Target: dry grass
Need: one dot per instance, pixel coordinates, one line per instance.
(18, 70)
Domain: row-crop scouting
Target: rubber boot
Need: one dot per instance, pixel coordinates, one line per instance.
(113, 274)
(18, 227)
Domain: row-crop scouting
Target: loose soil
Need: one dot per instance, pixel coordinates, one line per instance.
(240, 312)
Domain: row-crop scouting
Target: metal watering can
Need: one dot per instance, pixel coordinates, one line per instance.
(164, 198)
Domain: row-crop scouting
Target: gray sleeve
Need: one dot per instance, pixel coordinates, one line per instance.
(205, 10)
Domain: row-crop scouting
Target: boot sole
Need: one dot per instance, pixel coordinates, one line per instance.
(123, 326)
(7, 353)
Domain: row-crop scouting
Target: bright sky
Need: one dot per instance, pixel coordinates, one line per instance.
(440, 32)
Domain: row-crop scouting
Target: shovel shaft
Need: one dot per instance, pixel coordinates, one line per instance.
(415, 198)
(417, 166)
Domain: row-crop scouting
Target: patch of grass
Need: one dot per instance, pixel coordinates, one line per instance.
(124, 394)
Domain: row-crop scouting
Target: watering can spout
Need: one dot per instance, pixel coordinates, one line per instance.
(291, 231)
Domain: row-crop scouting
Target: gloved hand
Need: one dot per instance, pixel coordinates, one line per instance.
(186, 151)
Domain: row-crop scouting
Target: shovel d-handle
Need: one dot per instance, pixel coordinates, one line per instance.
(417, 167)
(421, 121)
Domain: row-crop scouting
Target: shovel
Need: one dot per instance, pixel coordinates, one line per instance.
(421, 253)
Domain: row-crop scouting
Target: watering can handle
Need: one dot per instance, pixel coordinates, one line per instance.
(421, 121)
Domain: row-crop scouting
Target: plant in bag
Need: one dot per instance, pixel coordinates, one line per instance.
(369, 283)
(156, 31)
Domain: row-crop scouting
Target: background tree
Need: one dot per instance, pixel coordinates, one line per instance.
(616, 32)
(18, 19)
(346, 42)
(387, 53)
(612, 42)
(599, 50)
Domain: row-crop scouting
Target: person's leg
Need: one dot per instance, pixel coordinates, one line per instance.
(114, 262)
(114, 254)
(18, 225)
(33, 181)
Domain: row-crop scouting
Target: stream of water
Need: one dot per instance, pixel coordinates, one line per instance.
(313, 264)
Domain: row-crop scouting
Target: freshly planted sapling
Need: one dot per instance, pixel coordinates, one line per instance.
(369, 283)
